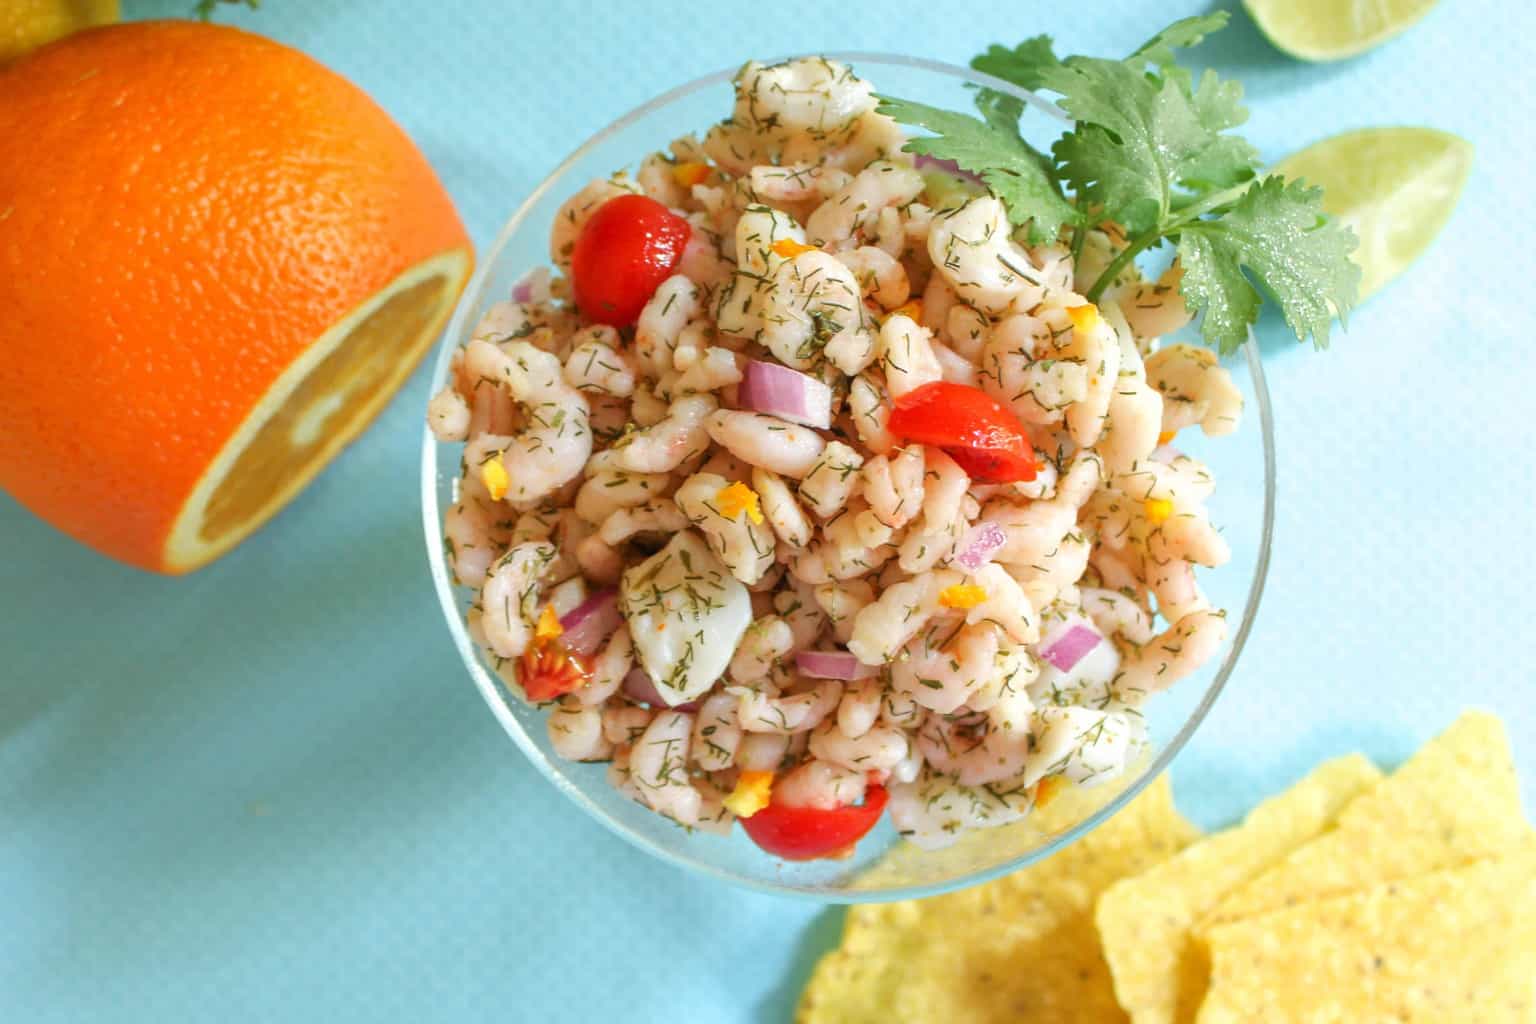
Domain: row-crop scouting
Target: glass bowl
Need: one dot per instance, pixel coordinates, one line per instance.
(884, 868)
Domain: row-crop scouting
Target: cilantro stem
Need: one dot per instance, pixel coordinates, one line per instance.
(1164, 228)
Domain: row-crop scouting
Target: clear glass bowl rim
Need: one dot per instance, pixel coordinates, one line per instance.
(488, 685)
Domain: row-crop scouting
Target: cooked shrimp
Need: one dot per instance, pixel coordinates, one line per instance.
(780, 508)
(469, 531)
(894, 484)
(883, 628)
(972, 249)
(1173, 654)
(830, 482)
(555, 445)
(906, 356)
(763, 711)
(608, 490)
(448, 415)
(972, 750)
(879, 748)
(1022, 368)
(820, 784)
(609, 668)
(933, 808)
(509, 598)
(880, 275)
(743, 546)
(859, 709)
(716, 734)
(665, 445)
(597, 363)
(766, 441)
(942, 665)
(676, 301)
(659, 767)
(576, 731)
(766, 641)
(1196, 388)
(658, 515)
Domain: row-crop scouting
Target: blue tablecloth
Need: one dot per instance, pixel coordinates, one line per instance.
(267, 792)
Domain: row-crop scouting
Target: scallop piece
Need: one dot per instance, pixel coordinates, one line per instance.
(686, 614)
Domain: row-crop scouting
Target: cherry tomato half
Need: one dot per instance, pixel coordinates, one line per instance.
(548, 670)
(987, 440)
(808, 833)
(626, 249)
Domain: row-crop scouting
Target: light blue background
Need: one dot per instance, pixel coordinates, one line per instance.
(268, 792)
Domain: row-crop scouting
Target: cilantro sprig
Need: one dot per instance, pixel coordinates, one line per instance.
(1151, 149)
(205, 8)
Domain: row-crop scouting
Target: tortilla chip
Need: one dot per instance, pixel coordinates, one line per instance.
(1145, 921)
(1457, 945)
(1454, 802)
(982, 849)
(1022, 947)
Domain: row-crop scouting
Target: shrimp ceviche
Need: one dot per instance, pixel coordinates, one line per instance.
(808, 488)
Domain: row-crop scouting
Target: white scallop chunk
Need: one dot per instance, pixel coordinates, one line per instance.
(686, 614)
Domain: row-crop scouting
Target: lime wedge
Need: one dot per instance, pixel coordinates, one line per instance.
(1323, 30)
(1396, 187)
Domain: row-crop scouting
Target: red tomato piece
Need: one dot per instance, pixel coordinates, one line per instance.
(547, 670)
(972, 427)
(810, 833)
(626, 249)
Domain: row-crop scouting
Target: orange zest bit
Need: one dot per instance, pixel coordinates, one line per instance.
(493, 473)
(1167, 436)
(737, 498)
(690, 173)
(912, 309)
(963, 596)
(751, 794)
(789, 248)
(548, 627)
(1084, 317)
(1047, 790)
(1158, 510)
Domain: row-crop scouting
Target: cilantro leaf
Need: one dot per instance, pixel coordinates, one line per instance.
(1141, 137)
(1000, 110)
(1017, 173)
(1277, 232)
(1020, 65)
(1151, 149)
(1182, 34)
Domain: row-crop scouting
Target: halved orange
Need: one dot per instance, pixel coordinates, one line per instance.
(218, 260)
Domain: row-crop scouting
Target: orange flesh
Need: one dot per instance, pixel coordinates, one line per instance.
(351, 374)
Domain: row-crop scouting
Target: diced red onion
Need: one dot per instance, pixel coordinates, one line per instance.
(980, 545)
(523, 290)
(1166, 453)
(785, 393)
(638, 686)
(833, 665)
(589, 625)
(1065, 645)
(925, 162)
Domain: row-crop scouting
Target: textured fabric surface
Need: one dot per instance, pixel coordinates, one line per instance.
(267, 792)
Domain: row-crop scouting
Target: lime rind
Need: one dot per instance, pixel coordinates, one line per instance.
(1329, 30)
(1396, 187)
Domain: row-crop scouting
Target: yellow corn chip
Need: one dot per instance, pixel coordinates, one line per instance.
(1021, 948)
(1448, 947)
(1455, 801)
(1145, 921)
